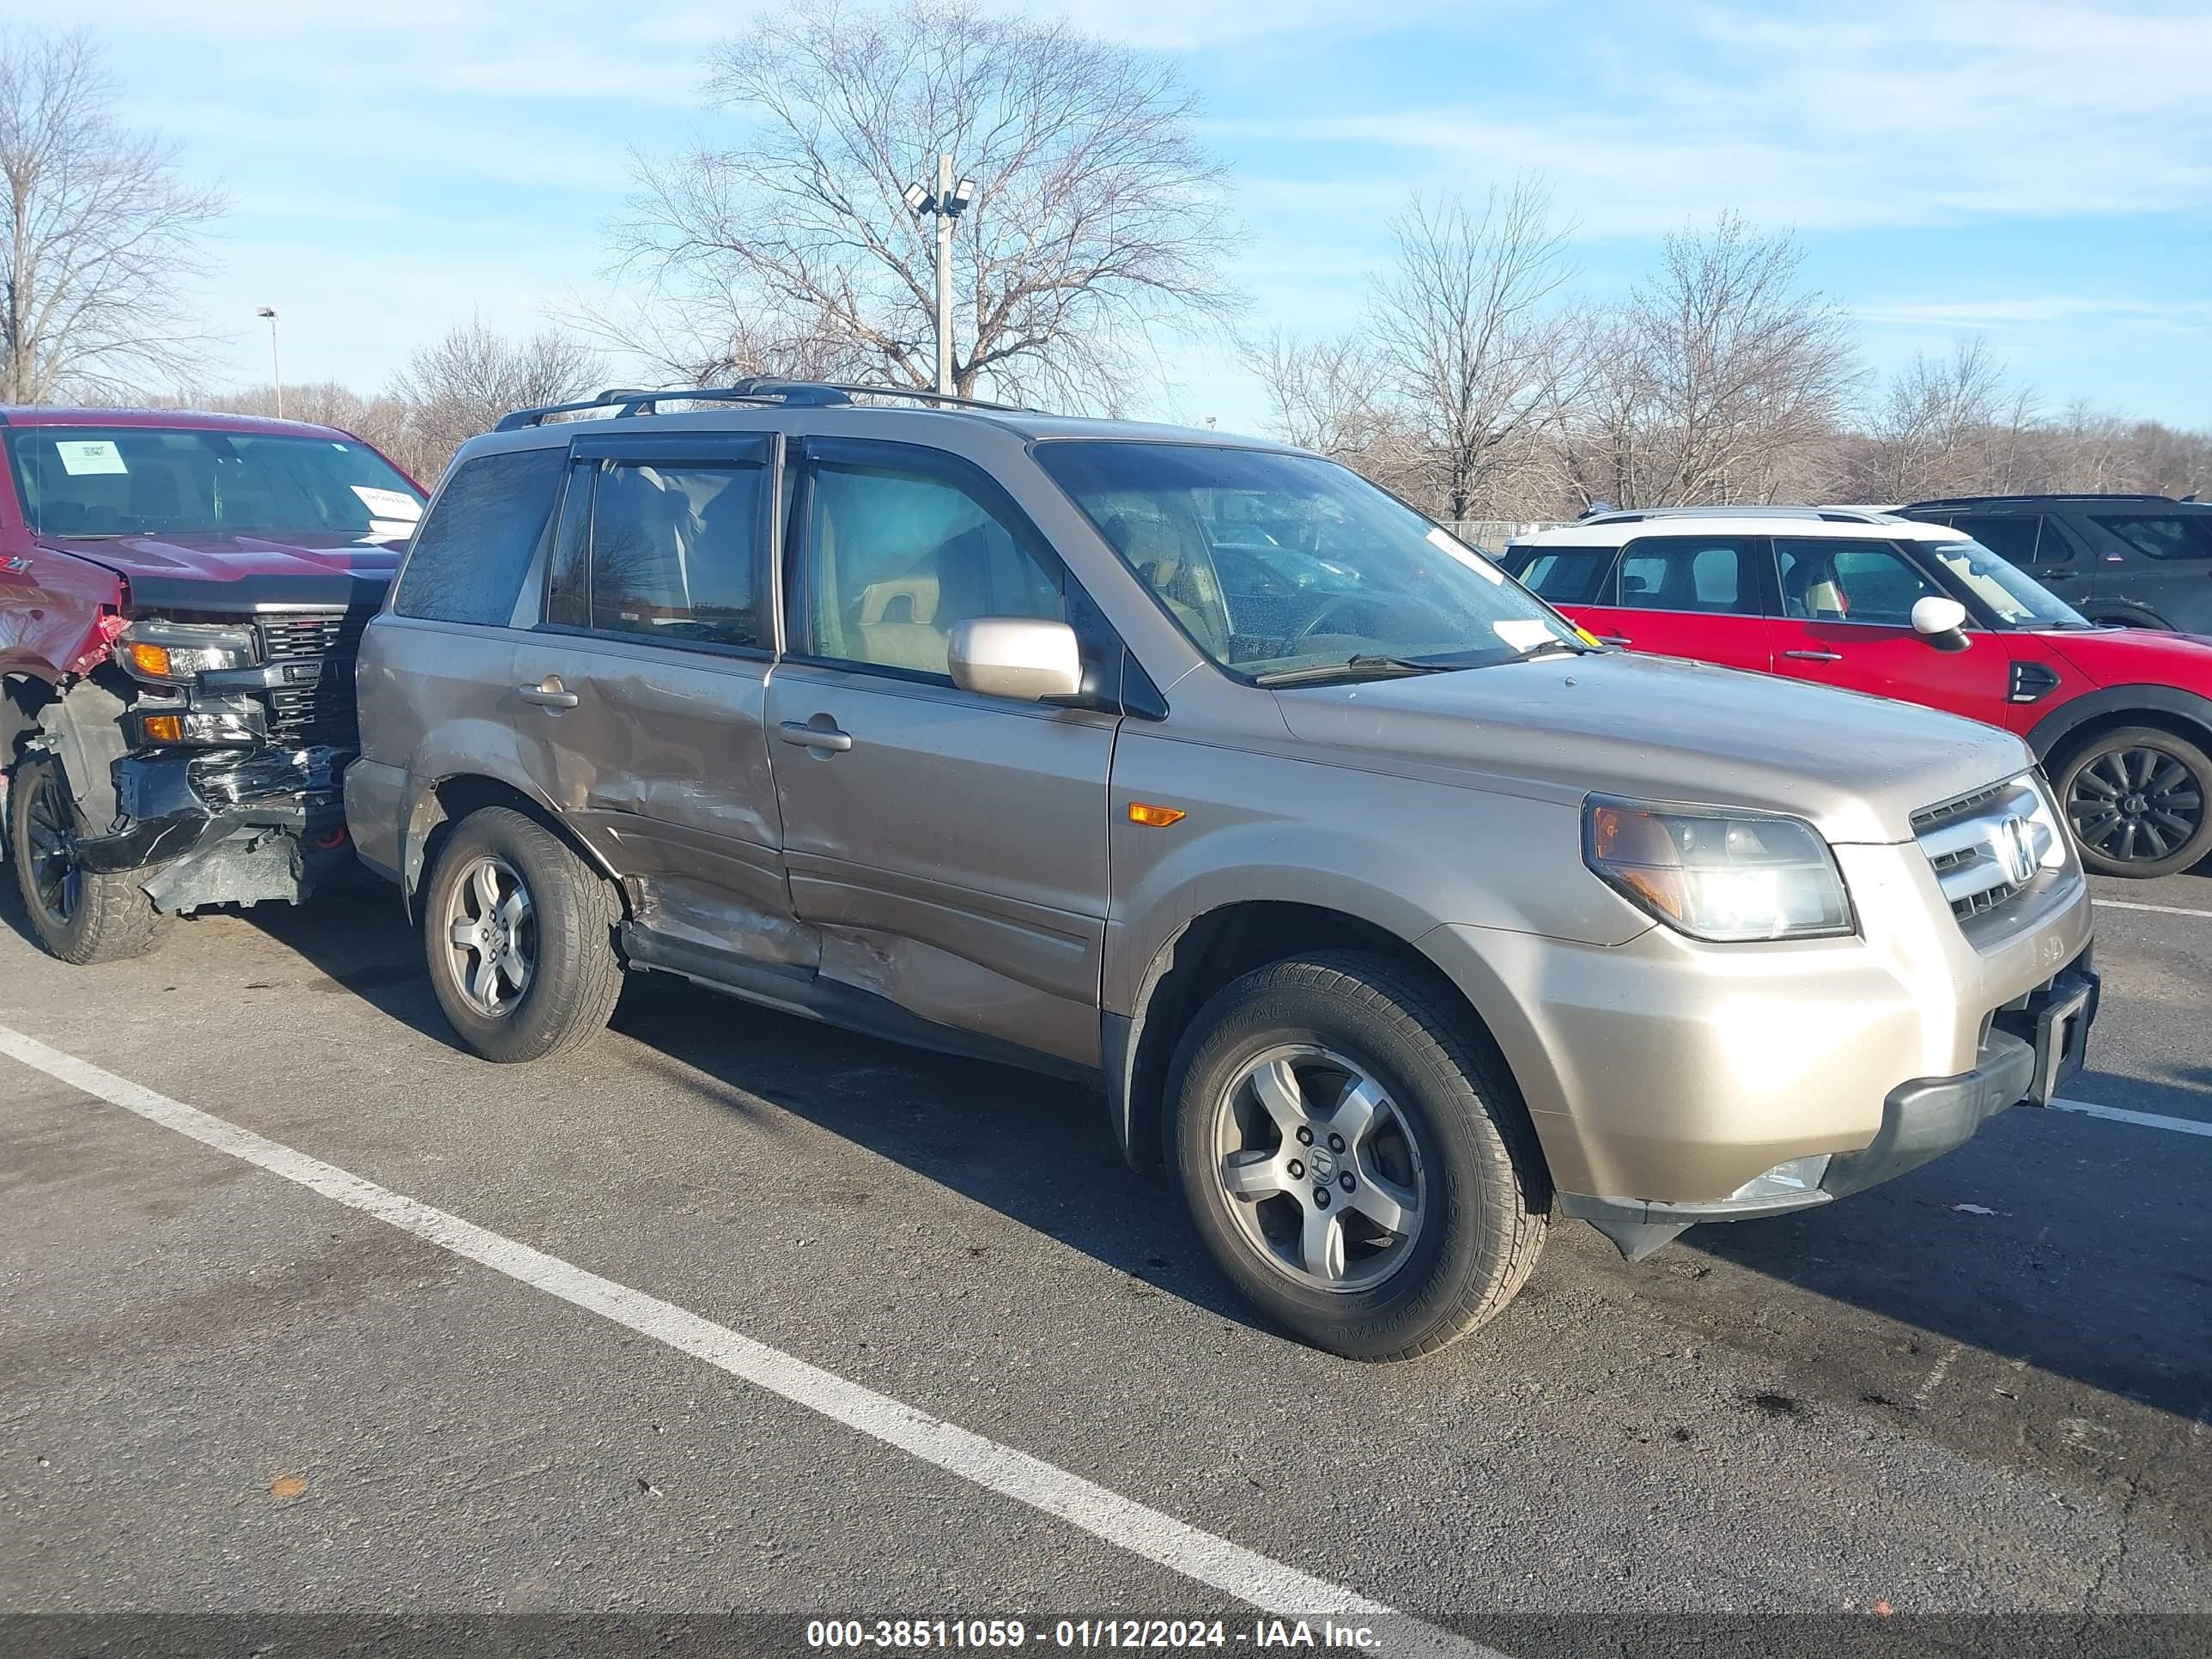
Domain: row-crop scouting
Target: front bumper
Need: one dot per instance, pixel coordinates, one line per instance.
(223, 825)
(2032, 1047)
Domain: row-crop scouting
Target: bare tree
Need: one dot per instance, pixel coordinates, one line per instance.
(1098, 216)
(1945, 427)
(461, 384)
(1723, 378)
(1470, 338)
(1331, 395)
(101, 232)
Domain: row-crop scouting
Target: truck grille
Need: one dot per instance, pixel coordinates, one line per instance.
(1985, 847)
(322, 713)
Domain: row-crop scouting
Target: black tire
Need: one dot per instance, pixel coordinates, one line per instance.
(80, 915)
(1485, 1200)
(2139, 800)
(568, 921)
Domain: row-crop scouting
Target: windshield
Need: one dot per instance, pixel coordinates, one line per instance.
(2016, 599)
(167, 481)
(1274, 562)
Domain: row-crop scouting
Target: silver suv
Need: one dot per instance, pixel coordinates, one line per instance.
(1394, 913)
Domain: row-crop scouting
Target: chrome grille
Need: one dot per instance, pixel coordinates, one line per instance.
(1975, 850)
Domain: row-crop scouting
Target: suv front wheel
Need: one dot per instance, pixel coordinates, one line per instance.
(1366, 1176)
(518, 932)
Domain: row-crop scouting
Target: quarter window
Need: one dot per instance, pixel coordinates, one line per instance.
(472, 553)
(1710, 573)
(1826, 581)
(896, 558)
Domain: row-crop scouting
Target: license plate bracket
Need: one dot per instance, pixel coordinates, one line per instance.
(2062, 1043)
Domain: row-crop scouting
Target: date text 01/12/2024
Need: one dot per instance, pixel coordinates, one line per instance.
(1150, 1634)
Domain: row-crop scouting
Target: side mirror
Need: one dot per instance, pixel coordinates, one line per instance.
(1941, 622)
(1016, 657)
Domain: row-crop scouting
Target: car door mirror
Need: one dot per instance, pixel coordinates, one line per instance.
(1941, 622)
(1020, 656)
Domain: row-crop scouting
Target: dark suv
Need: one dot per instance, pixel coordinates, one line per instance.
(180, 599)
(2133, 561)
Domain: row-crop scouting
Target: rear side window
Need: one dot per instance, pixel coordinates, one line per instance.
(672, 553)
(1567, 575)
(472, 552)
(2162, 535)
(1711, 574)
(2012, 536)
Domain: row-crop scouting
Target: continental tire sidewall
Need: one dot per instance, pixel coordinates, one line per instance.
(1474, 1248)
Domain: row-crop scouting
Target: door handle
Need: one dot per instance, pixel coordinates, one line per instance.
(815, 736)
(548, 693)
(1814, 656)
(1614, 639)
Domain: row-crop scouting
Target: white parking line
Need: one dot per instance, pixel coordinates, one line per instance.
(2159, 910)
(1198, 1556)
(2180, 1125)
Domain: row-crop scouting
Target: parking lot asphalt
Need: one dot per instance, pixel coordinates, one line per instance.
(1985, 1386)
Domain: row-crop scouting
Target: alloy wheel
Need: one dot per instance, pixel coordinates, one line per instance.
(1323, 1173)
(491, 930)
(2135, 804)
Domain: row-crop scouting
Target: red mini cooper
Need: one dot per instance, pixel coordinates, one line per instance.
(1865, 601)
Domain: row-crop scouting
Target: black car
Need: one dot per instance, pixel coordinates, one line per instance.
(2136, 561)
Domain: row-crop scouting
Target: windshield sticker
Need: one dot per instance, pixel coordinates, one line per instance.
(1520, 635)
(388, 503)
(82, 455)
(1443, 539)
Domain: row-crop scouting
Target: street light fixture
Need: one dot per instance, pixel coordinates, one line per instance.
(276, 376)
(948, 201)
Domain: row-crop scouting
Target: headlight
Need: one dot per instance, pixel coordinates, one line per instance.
(179, 652)
(1717, 874)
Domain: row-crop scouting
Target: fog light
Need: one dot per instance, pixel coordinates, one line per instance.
(1790, 1179)
(165, 728)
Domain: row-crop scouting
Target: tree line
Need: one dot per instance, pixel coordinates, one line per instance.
(1478, 379)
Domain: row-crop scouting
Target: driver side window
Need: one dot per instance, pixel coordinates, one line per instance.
(1835, 580)
(895, 558)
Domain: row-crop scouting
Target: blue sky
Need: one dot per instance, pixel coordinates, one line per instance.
(2040, 173)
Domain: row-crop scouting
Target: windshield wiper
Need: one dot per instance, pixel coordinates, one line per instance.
(1541, 646)
(1363, 667)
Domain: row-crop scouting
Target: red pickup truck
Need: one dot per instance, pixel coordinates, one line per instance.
(180, 599)
(1866, 601)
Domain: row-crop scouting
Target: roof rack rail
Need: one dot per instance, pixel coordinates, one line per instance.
(627, 401)
(2044, 496)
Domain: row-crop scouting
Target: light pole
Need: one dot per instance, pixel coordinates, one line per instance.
(276, 376)
(947, 201)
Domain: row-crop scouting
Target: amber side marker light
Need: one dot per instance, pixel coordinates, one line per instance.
(1155, 817)
(165, 728)
(150, 659)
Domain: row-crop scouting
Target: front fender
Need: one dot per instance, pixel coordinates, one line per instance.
(2051, 732)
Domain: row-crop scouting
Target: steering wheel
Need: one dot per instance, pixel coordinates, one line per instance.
(1327, 610)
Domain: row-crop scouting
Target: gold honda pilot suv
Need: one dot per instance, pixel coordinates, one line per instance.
(1394, 914)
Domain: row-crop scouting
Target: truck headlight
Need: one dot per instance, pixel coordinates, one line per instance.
(1716, 873)
(172, 653)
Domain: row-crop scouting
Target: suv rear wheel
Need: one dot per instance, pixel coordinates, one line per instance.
(82, 916)
(519, 935)
(2140, 801)
(1365, 1178)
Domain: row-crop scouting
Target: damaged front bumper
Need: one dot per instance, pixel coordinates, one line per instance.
(226, 825)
